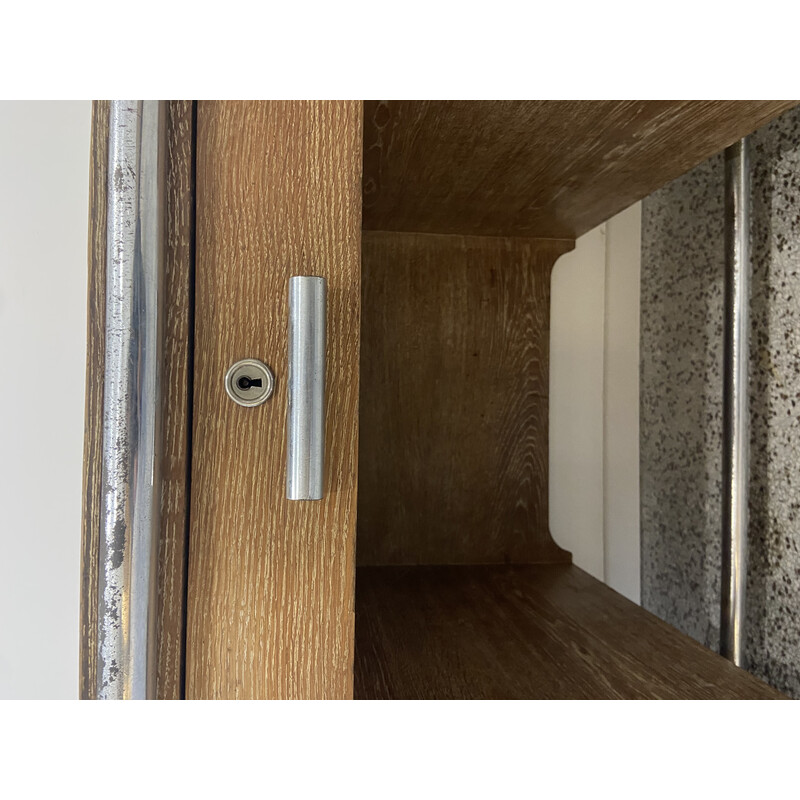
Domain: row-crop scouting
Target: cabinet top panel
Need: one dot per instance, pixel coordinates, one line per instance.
(535, 168)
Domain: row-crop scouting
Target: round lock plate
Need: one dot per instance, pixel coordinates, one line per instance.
(249, 382)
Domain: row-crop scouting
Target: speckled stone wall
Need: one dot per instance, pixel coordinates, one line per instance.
(681, 403)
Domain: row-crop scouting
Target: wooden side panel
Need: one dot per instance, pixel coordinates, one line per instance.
(516, 632)
(95, 370)
(454, 400)
(535, 168)
(175, 399)
(271, 582)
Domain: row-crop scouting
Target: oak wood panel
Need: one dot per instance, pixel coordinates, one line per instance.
(453, 455)
(93, 420)
(176, 387)
(535, 168)
(175, 398)
(524, 632)
(271, 582)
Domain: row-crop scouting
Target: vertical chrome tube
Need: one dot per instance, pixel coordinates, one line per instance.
(306, 419)
(736, 420)
(131, 404)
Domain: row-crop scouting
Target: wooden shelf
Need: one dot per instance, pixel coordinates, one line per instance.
(524, 632)
(552, 169)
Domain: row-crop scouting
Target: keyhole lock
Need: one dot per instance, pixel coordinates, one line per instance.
(249, 382)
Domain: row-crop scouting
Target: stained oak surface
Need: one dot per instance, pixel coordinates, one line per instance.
(270, 597)
(524, 632)
(95, 375)
(176, 398)
(535, 168)
(453, 458)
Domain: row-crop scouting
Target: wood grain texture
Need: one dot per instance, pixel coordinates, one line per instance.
(271, 582)
(524, 632)
(175, 398)
(534, 168)
(453, 457)
(93, 421)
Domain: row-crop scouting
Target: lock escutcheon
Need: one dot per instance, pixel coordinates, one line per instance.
(249, 382)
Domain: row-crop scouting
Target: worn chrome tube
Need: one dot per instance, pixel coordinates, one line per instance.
(131, 404)
(736, 420)
(306, 415)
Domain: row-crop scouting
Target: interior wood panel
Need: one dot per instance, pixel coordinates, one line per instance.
(176, 390)
(453, 453)
(535, 168)
(271, 582)
(524, 632)
(93, 420)
(175, 399)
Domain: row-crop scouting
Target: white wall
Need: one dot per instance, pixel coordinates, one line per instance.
(44, 190)
(576, 401)
(621, 531)
(594, 402)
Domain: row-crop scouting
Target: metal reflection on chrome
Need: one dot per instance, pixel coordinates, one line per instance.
(305, 461)
(131, 404)
(736, 419)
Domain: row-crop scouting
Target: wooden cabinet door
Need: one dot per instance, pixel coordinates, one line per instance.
(271, 582)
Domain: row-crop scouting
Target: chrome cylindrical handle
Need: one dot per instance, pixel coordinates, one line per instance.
(306, 415)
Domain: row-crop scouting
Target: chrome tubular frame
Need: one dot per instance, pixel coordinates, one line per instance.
(131, 404)
(736, 420)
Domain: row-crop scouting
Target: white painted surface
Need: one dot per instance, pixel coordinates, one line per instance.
(44, 190)
(594, 402)
(576, 401)
(621, 403)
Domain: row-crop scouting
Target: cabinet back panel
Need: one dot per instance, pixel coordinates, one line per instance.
(453, 456)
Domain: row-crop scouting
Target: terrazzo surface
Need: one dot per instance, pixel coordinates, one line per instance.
(681, 403)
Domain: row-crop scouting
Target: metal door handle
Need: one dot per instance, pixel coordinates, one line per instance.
(306, 415)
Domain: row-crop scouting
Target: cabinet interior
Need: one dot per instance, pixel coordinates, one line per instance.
(461, 592)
